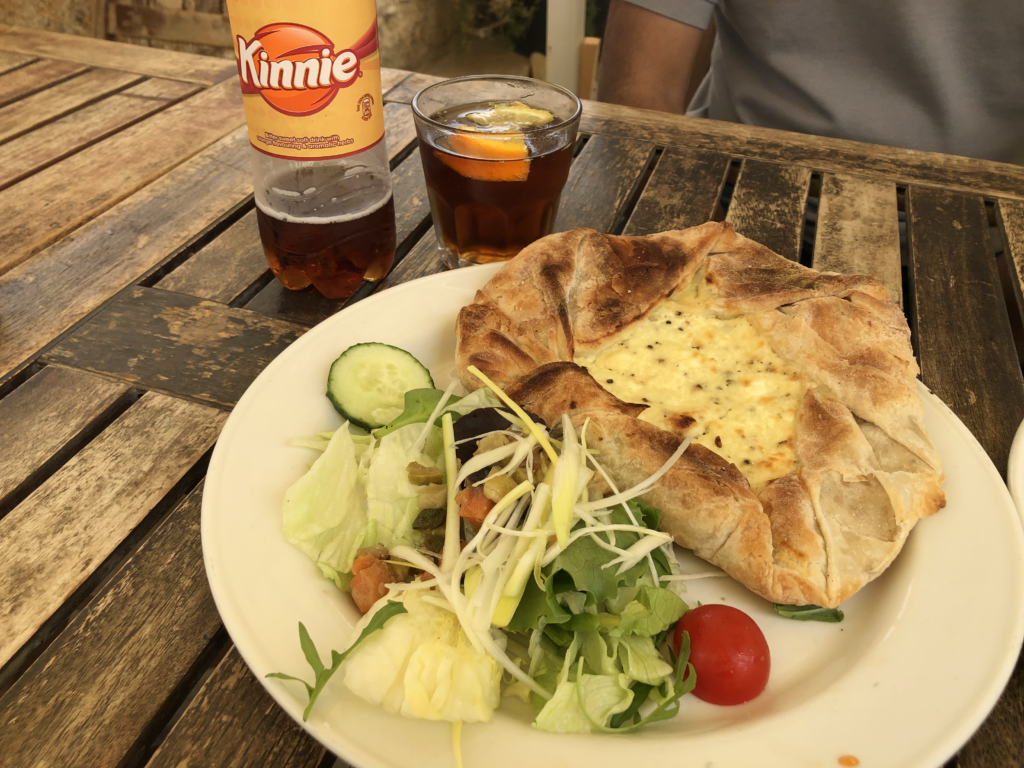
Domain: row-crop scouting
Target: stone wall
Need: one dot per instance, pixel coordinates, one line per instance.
(412, 32)
(76, 17)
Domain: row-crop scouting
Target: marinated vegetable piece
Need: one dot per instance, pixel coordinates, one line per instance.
(541, 465)
(433, 541)
(496, 486)
(421, 475)
(489, 442)
(370, 577)
(473, 504)
(429, 519)
(433, 496)
(368, 382)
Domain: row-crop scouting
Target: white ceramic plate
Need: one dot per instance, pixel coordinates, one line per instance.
(921, 658)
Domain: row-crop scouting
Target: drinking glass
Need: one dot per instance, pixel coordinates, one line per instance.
(494, 164)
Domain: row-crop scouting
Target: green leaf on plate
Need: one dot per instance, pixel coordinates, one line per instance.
(419, 404)
(809, 613)
(323, 674)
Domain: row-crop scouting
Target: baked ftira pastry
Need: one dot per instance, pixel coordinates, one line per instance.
(810, 462)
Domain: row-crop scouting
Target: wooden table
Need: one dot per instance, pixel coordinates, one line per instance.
(136, 307)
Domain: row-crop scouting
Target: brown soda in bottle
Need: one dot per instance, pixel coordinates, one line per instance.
(335, 253)
(311, 87)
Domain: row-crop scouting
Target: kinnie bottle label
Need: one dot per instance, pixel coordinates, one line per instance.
(310, 76)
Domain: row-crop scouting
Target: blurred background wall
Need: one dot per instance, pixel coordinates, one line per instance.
(412, 32)
(439, 37)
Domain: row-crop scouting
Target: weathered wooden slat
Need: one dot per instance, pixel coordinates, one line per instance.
(59, 286)
(25, 114)
(682, 192)
(965, 344)
(233, 723)
(826, 154)
(307, 306)
(53, 540)
(423, 259)
(170, 24)
(49, 143)
(1010, 214)
(600, 182)
(98, 177)
(409, 87)
(154, 62)
(389, 78)
(225, 267)
(174, 343)
(9, 61)
(44, 417)
(35, 77)
(97, 688)
(768, 205)
(399, 130)
(858, 230)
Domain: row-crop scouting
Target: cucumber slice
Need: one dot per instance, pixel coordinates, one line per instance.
(367, 384)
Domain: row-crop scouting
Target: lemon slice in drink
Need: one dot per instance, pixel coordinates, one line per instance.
(513, 116)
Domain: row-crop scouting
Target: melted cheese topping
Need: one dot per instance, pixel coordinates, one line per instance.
(714, 378)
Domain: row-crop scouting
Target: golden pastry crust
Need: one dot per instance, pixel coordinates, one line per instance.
(866, 468)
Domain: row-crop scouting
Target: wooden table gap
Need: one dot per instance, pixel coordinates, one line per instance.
(36, 77)
(200, 241)
(177, 702)
(98, 580)
(683, 191)
(807, 237)
(19, 377)
(634, 195)
(66, 452)
(1006, 231)
(728, 188)
(65, 136)
(234, 721)
(581, 142)
(11, 61)
(65, 98)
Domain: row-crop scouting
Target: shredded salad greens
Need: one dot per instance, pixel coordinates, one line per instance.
(559, 590)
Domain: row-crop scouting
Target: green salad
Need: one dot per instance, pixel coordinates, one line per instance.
(492, 557)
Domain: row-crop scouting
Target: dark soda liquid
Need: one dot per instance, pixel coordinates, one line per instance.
(335, 256)
(480, 220)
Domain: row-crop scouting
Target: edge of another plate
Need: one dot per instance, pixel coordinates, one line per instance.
(1015, 471)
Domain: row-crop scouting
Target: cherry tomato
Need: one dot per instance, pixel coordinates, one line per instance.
(728, 652)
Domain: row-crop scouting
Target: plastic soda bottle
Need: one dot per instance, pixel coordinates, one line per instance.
(310, 77)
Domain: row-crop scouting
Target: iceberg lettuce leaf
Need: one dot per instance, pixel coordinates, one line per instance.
(653, 610)
(423, 665)
(391, 499)
(605, 696)
(641, 661)
(324, 510)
